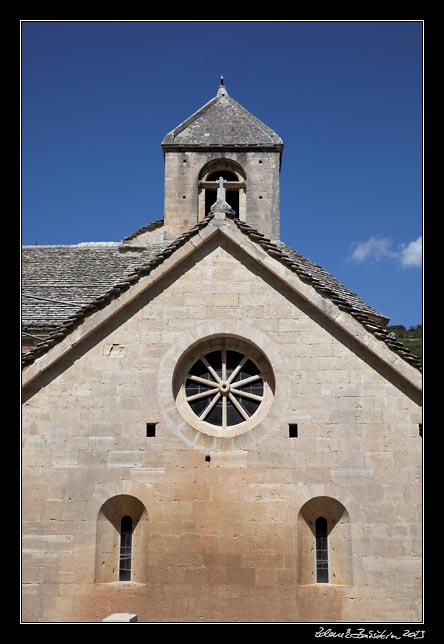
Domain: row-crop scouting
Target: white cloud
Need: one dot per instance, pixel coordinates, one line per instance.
(374, 248)
(411, 255)
(377, 248)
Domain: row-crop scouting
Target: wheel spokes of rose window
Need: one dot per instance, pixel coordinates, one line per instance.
(207, 409)
(245, 381)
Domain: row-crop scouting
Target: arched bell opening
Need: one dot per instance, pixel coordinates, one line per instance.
(235, 187)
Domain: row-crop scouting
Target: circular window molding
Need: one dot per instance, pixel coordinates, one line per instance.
(223, 386)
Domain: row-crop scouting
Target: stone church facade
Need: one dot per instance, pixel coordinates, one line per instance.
(214, 428)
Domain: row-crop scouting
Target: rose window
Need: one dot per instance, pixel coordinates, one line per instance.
(224, 387)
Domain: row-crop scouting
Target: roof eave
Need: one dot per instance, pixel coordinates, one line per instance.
(271, 147)
(372, 336)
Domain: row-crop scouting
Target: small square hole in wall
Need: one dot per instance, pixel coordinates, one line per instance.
(420, 429)
(260, 196)
(260, 160)
(151, 430)
(184, 197)
(292, 430)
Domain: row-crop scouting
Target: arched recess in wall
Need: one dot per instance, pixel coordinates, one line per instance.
(234, 175)
(324, 543)
(121, 541)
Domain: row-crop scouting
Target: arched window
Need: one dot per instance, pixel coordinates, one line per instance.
(321, 551)
(235, 186)
(126, 544)
(324, 543)
(121, 541)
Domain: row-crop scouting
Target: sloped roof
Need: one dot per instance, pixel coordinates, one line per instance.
(222, 122)
(94, 277)
(326, 280)
(57, 281)
(145, 229)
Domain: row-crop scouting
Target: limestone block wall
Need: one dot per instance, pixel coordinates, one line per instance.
(262, 189)
(155, 236)
(224, 538)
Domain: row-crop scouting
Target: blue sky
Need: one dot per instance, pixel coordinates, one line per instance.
(346, 97)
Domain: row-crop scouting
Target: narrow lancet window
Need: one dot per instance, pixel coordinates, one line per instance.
(126, 538)
(321, 551)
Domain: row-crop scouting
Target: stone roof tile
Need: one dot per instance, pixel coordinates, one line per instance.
(57, 281)
(222, 122)
(91, 277)
(316, 272)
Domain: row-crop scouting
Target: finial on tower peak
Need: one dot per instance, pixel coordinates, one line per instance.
(222, 91)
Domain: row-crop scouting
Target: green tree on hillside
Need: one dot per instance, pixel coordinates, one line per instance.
(411, 337)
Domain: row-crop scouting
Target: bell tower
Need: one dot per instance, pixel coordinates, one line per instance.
(222, 140)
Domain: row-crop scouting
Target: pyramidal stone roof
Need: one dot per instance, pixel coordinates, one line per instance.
(222, 122)
(64, 285)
